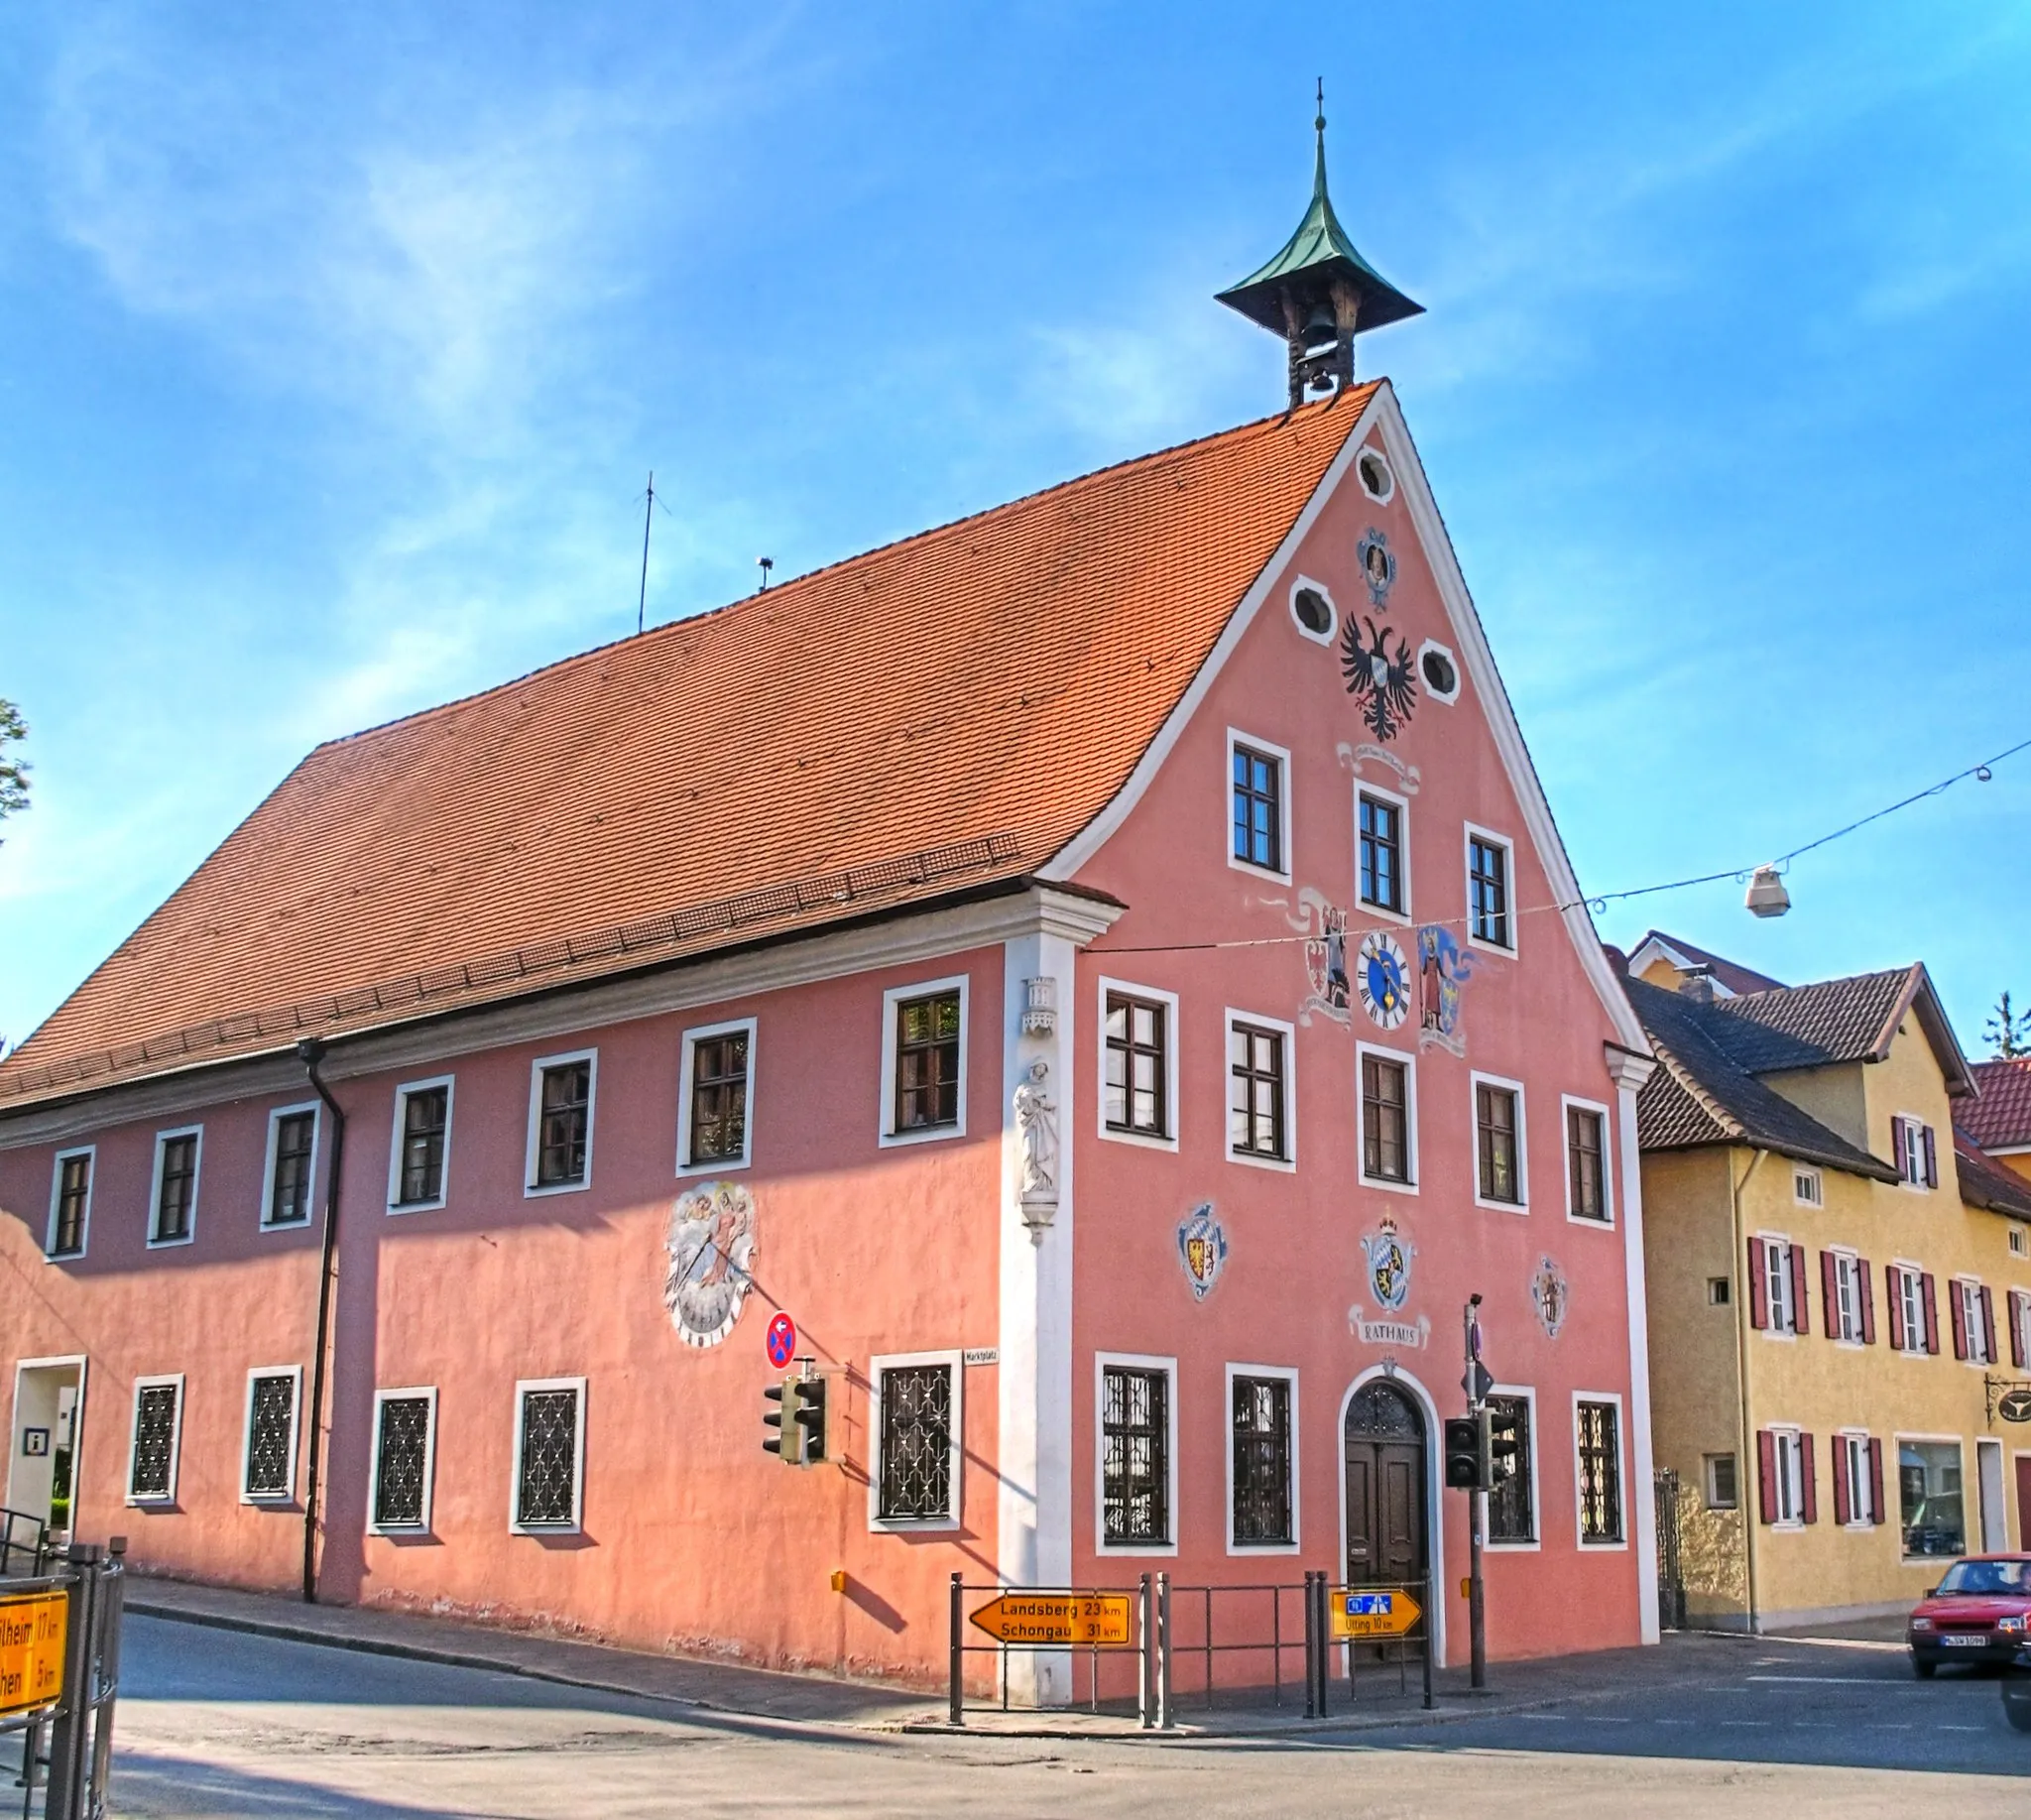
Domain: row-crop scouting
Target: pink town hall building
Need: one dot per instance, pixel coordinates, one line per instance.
(1104, 968)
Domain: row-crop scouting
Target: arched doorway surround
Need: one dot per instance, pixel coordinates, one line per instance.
(1391, 1521)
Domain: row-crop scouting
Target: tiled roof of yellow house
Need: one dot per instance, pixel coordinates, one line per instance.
(937, 715)
(2001, 1116)
(1988, 1184)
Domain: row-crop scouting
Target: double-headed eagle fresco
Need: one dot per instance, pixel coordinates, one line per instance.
(1378, 677)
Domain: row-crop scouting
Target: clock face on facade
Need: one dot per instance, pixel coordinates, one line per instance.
(1382, 978)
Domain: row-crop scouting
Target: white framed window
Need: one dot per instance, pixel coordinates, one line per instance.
(1261, 1082)
(1717, 1474)
(1491, 890)
(1590, 1180)
(916, 1426)
(173, 1194)
(2017, 1308)
(924, 1032)
(1138, 1064)
(1440, 669)
(1257, 806)
(1135, 1454)
(1914, 1333)
(155, 1440)
(2020, 1242)
(1855, 1485)
(1932, 1511)
(289, 1176)
(1784, 1492)
(1808, 1189)
(1382, 839)
(716, 1098)
(1597, 1477)
(1313, 610)
(546, 1497)
(1263, 1495)
(403, 1471)
(562, 1090)
(1512, 1501)
(1386, 1081)
(1502, 1159)
(1973, 1324)
(1914, 1151)
(69, 1227)
(1850, 1290)
(268, 1438)
(420, 1147)
(1774, 1290)
(1377, 480)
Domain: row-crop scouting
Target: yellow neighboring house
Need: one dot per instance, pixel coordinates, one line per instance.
(1839, 1292)
(2000, 1118)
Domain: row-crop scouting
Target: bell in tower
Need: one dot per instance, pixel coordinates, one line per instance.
(1319, 292)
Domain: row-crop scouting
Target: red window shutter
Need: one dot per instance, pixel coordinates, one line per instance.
(1829, 1295)
(1893, 1294)
(1987, 1327)
(1866, 1288)
(1875, 1480)
(1760, 1287)
(2017, 1305)
(1808, 1496)
(1844, 1505)
(1932, 1161)
(1931, 1311)
(1899, 1143)
(1800, 1320)
(1958, 1307)
(1766, 1474)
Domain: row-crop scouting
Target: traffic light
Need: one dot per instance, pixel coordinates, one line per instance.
(1463, 1453)
(1504, 1445)
(786, 1437)
(810, 1420)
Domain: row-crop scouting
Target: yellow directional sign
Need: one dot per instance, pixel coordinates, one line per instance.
(33, 1629)
(1057, 1617)
(1363, 1614)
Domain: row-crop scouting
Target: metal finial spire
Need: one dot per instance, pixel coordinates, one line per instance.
(1319, 160)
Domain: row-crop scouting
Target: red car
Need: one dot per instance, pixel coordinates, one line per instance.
(1976, 1614)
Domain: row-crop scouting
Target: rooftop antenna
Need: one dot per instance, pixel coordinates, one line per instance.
(647, 517)
(765, 564)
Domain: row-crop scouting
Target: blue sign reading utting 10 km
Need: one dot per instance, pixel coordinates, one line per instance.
(1370, 1605)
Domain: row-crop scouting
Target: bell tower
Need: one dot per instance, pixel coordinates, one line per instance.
(1319, 292)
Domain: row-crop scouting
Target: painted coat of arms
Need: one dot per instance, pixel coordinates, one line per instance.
(1552, 1296)
(1383, 979)
(1379, 672)
(1202, 1249)
(1326, 964)
(1389, 1259)
(1443, 968)
(711, 1246)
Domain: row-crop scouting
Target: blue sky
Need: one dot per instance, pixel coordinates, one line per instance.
(339, 341)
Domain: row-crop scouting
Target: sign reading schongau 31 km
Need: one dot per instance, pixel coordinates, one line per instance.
(1057, 1617)
(33, 1629)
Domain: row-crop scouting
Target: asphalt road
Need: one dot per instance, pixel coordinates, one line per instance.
(215, 1722)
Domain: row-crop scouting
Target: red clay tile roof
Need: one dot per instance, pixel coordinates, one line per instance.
(1731, 974)
(1840, 1021)
(1988, 1184)
(2001, 1116)
(984, 688)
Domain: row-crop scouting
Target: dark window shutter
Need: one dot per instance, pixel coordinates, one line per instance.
(1876, 1480)
(1766, 1474)
(1987, 1327)
(1800, 1320)
(1893, 1294)
(1809, 1494)
(1958, 1307)
(1866, 1288)
(1932, 1161)
(2016, 1306)
(1844, 1505)
(1760, 1287)
(1899, 1141)
(1931, 1311)
(1830, 1295)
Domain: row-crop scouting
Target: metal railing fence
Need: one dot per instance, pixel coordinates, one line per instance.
(67, 1740)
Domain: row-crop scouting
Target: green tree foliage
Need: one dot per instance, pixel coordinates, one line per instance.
(13, 770)
(2009, 1031)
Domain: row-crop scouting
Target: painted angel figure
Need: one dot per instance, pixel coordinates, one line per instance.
(1036, 1120)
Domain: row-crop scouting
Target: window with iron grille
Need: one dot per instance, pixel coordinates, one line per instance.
(1258, 808)
(1262, 1462)
(1511, 1518)
(402, 1463)
(1495, 1123)
(270, 1468)
(1381, 852)
(1257, 1116)
(927, 1062)
(289, 1192)
(425, 1120)
(916, 1444)
(1136, 1080)
(73, 1202)
(1586, 1180)
(719, 1098)
(175, 1197)
(564, 1119)
(546, 1471)
(1600, 1473)
(1384, 1119)
(152, 1473)
(1487, 891)
(1134, 1427)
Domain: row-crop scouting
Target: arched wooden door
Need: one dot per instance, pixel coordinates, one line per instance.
(1385, 1486)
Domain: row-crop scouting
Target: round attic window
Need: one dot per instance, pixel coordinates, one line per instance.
(1441, 674)
(1375, 479)
(1313, 613)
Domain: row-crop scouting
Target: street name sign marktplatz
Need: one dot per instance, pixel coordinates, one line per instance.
(33, 1627)
(1058, 1619)
(1372, 1614)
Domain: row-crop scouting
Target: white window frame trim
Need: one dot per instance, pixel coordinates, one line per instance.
(1409, 1061)
(1269, 749)
(1846, 1254)
(1452, 657)
(888, 1137)
(1780, 1432)
(1150, 995)
(163, 1498)
(1621, 1474)
(1528, 1395)
(563, 1058)
(1325, 638)
(1287, 1164)
(1403, 918)
(516, 1527)
(1865, 1484)
(1807, 1171)
(410, 1393)
(1477, 1079)
(2017, 1304)
(1958, 1443)
(155, 1193)
(275, 1114)
(1968, 1288)
(1360, 478)
(450, 1082)
(1706, 1481)
(1913, 1274)
(1567, 1104)
(954, 1360)
(1771, 1330)
(687, 1064)
(1470, 833)
(1140, 1361)
(1915, 1127)
(288, 1495)
(1245, 1550)
(91, 1181)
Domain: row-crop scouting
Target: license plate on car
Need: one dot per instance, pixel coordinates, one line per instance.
(1965, 1643)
